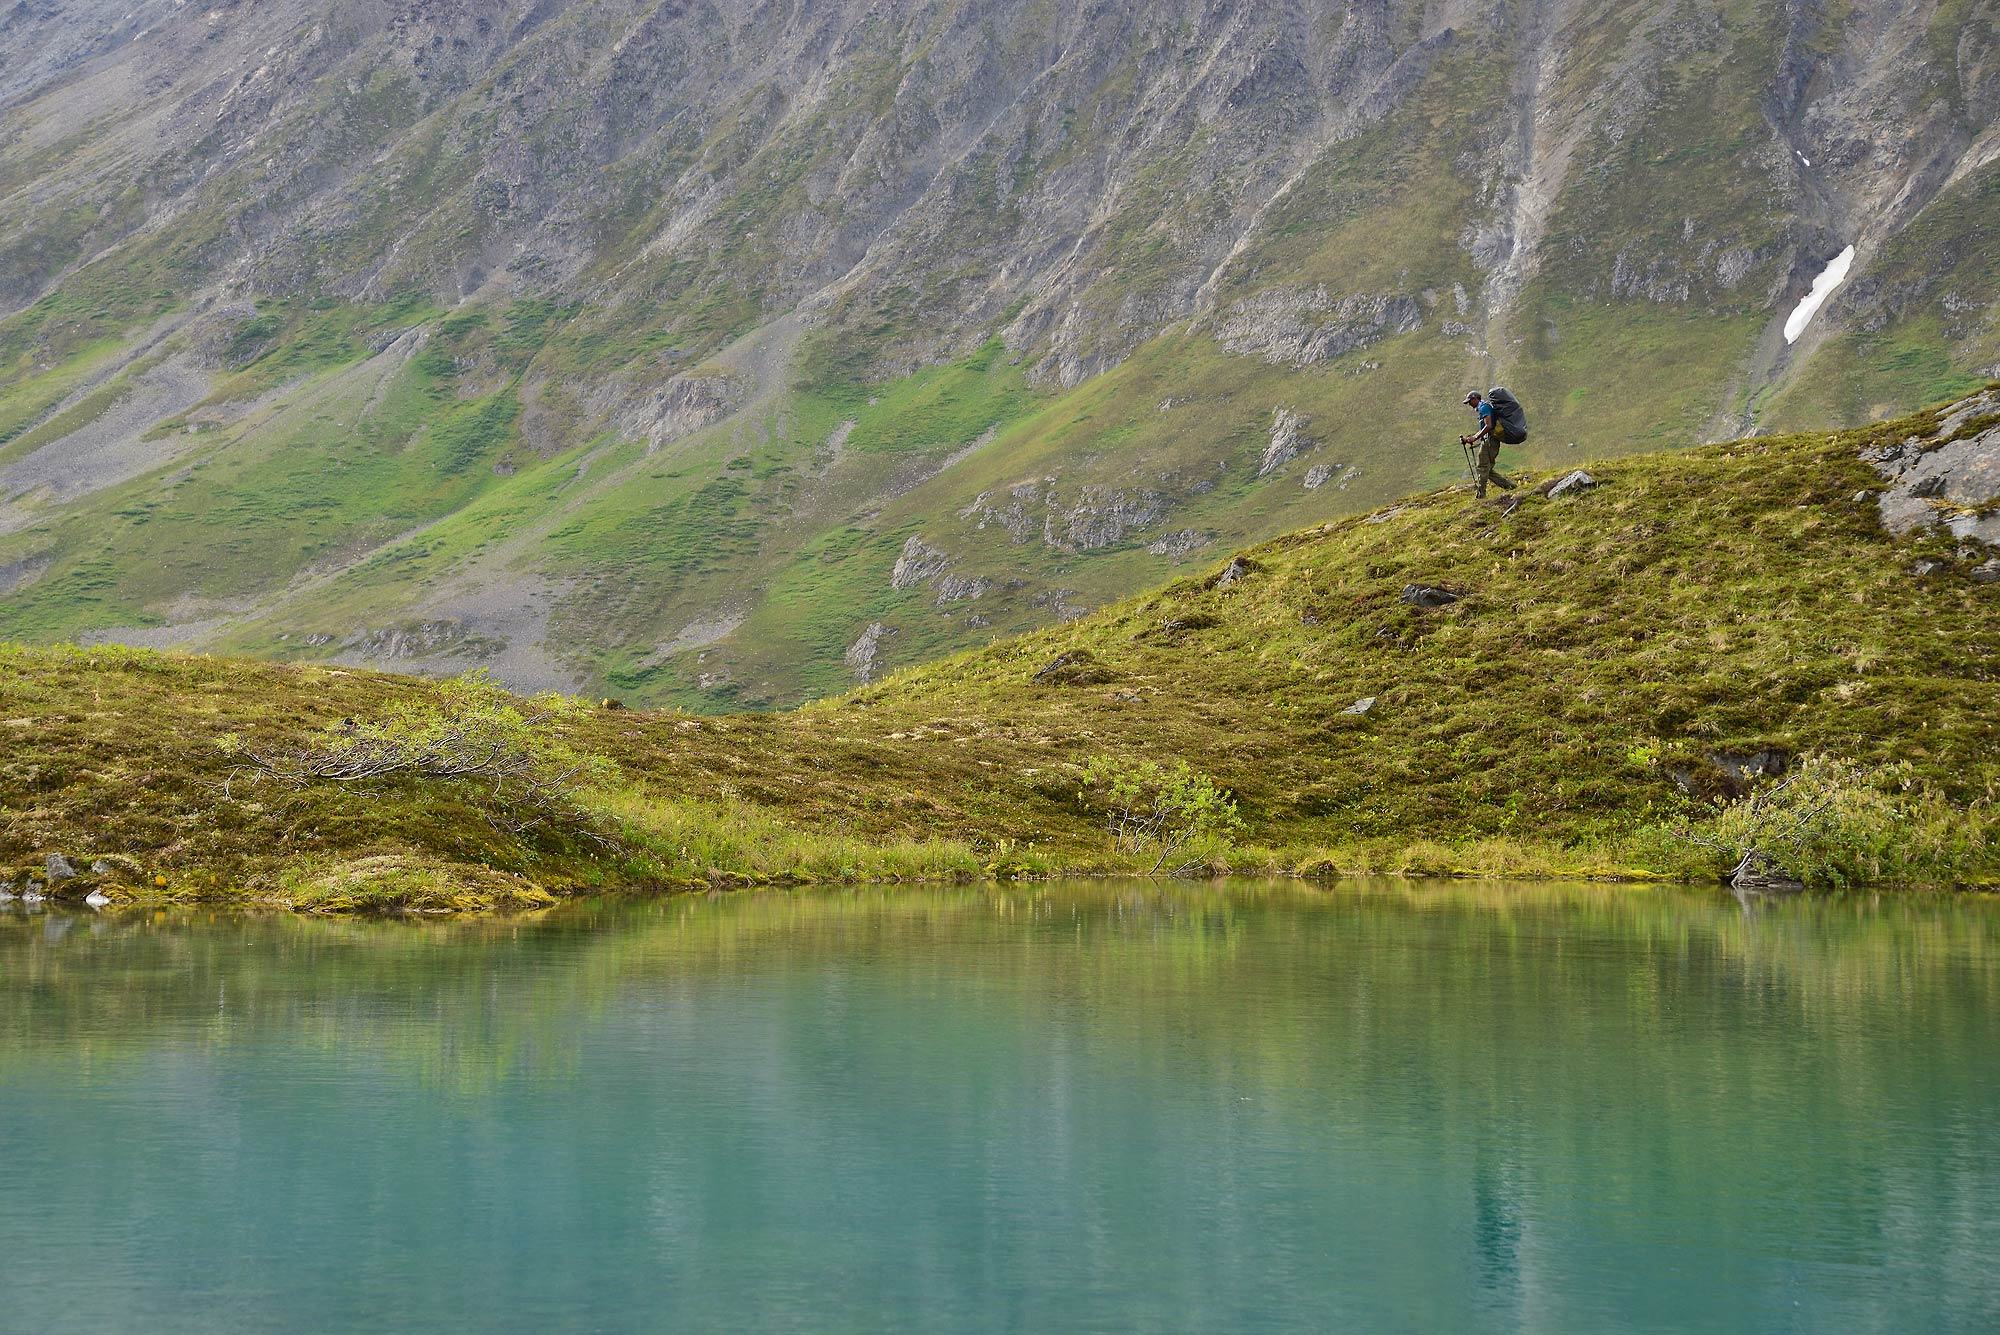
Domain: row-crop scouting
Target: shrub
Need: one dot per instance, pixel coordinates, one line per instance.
(466, 731)
(1833, 823)
(1177, 818)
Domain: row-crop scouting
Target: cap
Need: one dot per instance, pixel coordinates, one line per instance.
(1472, 396)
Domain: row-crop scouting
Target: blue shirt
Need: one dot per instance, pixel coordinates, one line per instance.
(1485, 412)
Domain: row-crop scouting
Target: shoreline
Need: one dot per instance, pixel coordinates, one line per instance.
(469, 899)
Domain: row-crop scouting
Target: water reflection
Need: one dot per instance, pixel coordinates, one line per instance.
(1260, 1106)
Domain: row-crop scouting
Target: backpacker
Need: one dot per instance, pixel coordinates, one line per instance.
(1511, 415)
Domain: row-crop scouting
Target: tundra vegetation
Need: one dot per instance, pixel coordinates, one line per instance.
(1619, 668)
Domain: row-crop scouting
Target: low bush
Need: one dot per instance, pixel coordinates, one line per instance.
(1832, 823)
(466, 731)
(1174, 820)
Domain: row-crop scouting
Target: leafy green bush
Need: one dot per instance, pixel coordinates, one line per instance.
(1832, 823)
(466, 731)
(1178, 818)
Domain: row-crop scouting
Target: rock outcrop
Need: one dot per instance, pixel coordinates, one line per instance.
(1288, 441)
(1949, 479)
(863, 657)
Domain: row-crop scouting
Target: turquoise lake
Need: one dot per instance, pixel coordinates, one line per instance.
(1118, 1107)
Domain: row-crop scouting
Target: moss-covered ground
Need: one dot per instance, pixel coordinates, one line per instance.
(1732, 599)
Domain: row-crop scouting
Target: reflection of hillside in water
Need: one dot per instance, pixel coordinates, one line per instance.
(472, 1000)
(1184, 1102)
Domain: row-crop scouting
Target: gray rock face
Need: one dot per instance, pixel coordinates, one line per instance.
(999, 141)
(919, 563)
(1340, 474)
(863, 656)
(1301, 327)
(1098, 518)
(417, 639)
(1181, 543)
(1102, 517)
(1939, 481)
(685, 404)
(962, 588)
(1987, 572)
(1288, 441)
(1019, 513)
(59, 869)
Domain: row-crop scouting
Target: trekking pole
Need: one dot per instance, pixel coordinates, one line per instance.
(1471, 473)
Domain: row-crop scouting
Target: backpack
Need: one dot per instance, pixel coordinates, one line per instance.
(1510, 413)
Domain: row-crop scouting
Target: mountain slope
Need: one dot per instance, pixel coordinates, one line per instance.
(1607, 650)
(722, 353)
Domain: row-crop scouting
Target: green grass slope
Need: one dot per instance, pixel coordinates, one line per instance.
(1727, 600)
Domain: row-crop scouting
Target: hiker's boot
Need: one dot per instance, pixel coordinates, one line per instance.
(1502, 483)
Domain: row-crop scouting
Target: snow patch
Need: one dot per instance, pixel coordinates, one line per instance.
(1830, 278)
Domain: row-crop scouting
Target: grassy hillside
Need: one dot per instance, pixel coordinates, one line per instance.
(1608, 651)
(619, 352)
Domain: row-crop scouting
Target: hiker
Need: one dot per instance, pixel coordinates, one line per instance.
(1502, 421)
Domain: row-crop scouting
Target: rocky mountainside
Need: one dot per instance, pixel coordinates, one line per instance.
(727, 353)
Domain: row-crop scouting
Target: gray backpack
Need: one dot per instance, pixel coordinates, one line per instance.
(1510, 414)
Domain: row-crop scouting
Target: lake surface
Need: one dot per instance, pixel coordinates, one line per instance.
(1073, 1108)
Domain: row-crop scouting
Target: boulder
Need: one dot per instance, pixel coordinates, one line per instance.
(1987, 572)
(1074, 667)
(1948, 478)
(59, 869)
(1567, 484)
(1360, 707)
(1235, 572)
(1428, 595)
(1925, 569)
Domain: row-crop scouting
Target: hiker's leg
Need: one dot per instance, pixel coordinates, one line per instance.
(1489, 449)
(1489, 454)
